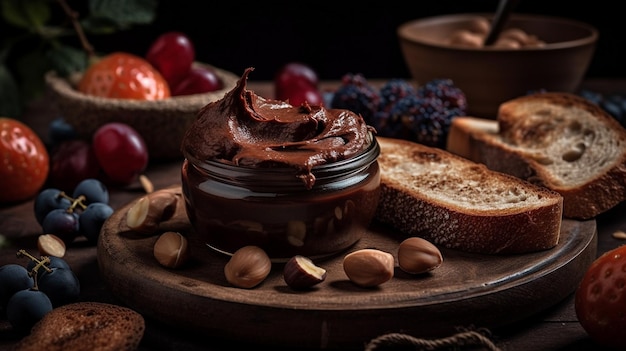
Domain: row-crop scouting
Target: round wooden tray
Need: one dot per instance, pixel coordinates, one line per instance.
(467, 290)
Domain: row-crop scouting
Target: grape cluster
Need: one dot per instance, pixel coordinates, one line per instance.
(69, 216)
(27, 293)
(116, 154)
(399, 110)
(357, 95)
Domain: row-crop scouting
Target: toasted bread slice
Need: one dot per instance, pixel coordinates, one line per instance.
(560, 141)
(460, 134)
(461, 204)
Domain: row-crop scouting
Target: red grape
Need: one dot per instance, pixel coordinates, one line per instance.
(198, 80)
(294, 78)
(121, 152)
(312, 96)
(172, 54)
(71, 162)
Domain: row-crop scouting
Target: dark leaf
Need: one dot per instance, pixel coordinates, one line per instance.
(66, 60)
(26, 14)
(124, 12)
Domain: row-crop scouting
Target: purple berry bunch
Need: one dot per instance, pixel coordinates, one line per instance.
(400, 110)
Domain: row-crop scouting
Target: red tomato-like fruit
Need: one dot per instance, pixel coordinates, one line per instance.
(172, 53)
(293, 79)
(600, 300)
(24, 161)
(197, 81)
(124, 76)
(121, 152)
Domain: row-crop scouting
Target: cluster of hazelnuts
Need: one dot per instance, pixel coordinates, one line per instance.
(476, 32)
(162, 211)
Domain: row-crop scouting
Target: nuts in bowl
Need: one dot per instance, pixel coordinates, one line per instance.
(533, 53)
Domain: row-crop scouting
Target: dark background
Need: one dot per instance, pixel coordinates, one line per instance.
(340, 37)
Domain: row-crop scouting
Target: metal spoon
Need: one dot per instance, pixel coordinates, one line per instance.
(505, 7)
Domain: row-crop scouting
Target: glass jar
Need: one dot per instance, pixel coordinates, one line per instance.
(231, 206)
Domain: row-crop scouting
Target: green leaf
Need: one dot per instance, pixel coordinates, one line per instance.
(124, 13)
(28, 14)
(10, 105)
(66, 60)
(93, 25)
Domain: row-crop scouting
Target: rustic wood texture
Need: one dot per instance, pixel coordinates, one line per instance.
(337, 313)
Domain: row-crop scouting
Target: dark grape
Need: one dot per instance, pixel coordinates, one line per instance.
(55, 262)
(13, 278)
(197, 81)
(92, 219)
(48, 200)
(59, 130)
(121, 152)
(61, 285)
(93, 190)
(297, 82)
(172, 54)
(61, 223)
(70, 162)
(26, 307)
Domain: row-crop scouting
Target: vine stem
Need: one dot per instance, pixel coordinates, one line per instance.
(73, 16)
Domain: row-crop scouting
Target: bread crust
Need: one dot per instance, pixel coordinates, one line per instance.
(408, 204)
(86, 326)
(524, 131)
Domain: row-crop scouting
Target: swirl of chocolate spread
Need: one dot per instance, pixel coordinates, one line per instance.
(247, 130)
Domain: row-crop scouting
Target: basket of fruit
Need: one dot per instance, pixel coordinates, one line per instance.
(158, 95)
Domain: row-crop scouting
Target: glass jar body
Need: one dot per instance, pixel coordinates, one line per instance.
(231, 207)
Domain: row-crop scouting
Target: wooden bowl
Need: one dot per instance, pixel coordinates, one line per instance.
(162, 123)
(490, 75)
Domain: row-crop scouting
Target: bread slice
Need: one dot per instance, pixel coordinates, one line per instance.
(86, 326)
(459, 204)
(462, 128)
(560, 141)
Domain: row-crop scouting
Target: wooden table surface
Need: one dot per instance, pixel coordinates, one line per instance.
(556, 328)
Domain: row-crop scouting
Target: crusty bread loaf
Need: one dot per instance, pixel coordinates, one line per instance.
(88, 326)
(560, 141)
(459, 204)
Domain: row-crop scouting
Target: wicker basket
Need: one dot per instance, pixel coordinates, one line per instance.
(162, 123)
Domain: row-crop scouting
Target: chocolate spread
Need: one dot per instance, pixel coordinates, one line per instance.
(248, 130)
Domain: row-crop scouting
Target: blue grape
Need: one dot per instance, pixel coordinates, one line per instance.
(59, 130)
(61, 223)
(55, 262)
(48, 200)
(27, 307)
(92, 219)
(13, 278)
(93, 190)
(61, 285)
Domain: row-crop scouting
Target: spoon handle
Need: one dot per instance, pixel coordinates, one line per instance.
(505, 7)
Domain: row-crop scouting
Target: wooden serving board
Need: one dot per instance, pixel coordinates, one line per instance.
(467, 290)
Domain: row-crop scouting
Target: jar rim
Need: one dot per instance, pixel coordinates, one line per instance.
(365, 157)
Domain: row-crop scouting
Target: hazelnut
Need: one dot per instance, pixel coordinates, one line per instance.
(417, 255)
(296, 232)
(150, 210)
(301, 273)
(171, 249)
(50, 245)
(466, 38)
(369, 267)
(248, 267)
